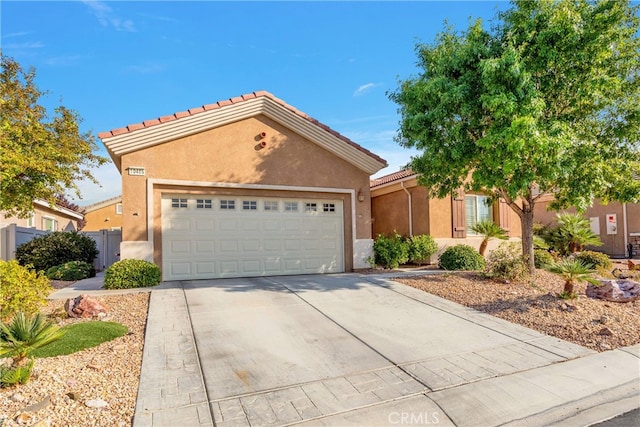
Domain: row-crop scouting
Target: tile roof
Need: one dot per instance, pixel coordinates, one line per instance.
(396, 176)
(232, 101)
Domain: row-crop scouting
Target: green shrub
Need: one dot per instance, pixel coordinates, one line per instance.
(131, 273)
(461, 257)
(12, 375)
(72, 270)
(57, 248)
(390, 251)
(421, 248)
(21, 289)
(506, 262)
(597, 259)
(542, 257)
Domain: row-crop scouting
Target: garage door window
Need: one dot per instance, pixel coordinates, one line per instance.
(203, 204)
(227, 204)
(270, 206)
(178, 203)
(311, 207)
(249, 205)
(291, 206)
(328, 207)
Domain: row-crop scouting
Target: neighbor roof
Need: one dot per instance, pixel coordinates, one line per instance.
(396, 176)
(103, 204)
(166, 128)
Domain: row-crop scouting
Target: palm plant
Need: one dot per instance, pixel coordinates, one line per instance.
(25, 334)
(488, 230)
(572, 234)
(572, 271)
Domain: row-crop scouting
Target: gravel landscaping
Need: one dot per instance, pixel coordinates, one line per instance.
(62, 387)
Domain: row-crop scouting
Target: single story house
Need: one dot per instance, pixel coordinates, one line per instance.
(399, 204)
(45, 217)
(617, 224)
(247, 186)
(104, 215)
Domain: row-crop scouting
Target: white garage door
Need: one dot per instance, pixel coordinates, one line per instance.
(211, 237)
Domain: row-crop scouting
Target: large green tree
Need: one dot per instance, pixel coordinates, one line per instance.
(546, 101)
(41, 157)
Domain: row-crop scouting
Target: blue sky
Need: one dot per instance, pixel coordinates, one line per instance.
(121, 62)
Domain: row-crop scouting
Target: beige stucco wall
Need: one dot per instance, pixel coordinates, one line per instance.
(103, 218)
(232, 154)
(64, 222)
(613, 244)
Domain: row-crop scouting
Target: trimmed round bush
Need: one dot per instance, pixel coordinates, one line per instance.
(390, 251)
(461, 257)
(72, 270)
(131, 273)
(57, 248)
(21, 289)
(421, 248)
(596, 259)
(542, 257)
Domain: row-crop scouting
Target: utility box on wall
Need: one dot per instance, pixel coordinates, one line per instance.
(612, 224)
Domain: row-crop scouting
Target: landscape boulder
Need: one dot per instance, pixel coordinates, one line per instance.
(84, 306)
(615, 290)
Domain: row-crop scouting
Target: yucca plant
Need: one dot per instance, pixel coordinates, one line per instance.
(572, 271)
(488, 230)
(25, 334)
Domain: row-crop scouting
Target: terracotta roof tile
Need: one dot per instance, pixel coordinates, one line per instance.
(396, 176)
(231, 101)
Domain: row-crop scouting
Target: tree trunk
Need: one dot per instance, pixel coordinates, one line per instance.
(568, 288)
(526, 220)
(483, 246)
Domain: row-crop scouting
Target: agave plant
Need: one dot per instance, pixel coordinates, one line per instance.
(488, 230)
(25, 334)
(572, 271)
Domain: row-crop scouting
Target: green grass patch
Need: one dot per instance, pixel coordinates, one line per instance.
(82, 335)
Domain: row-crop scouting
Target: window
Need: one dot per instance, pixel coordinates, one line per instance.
(477, 209)
(31, 221)
(178, 203)
(203, 204)
(291, 206)
(249, 205)
(49, 224)
(228, 204)
(328, 207)
(311, 207)
(270, 206)
(118, 208)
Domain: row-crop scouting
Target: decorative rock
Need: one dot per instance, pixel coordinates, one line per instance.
(24, 418)
(605, 331)
(615, 290)
(73, 395)
(84, 306)
(604, 319)
(42, 423)
(17, 397)
(96, 403)
(38, 406)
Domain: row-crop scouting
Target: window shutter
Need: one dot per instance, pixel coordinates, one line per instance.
(458, 212)
(504, 211)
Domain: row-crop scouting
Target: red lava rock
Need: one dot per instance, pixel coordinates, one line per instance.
(84, 306)
(615, 290)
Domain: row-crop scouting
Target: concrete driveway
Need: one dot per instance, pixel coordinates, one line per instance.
(348, 350)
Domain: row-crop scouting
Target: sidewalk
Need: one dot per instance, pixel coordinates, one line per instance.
(91, 286)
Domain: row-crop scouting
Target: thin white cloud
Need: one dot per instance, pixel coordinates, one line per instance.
(25, 45)
(108, 18)
(365, 88)
(144, 69)
(63, 61)
(158, 17)
(18, 34)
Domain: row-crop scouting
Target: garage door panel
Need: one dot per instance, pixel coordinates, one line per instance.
(217, 242)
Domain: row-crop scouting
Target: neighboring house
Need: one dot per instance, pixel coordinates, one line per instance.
(399, 204)
(248, 186)
(46, 217)
(617, 224)
(104, 215)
